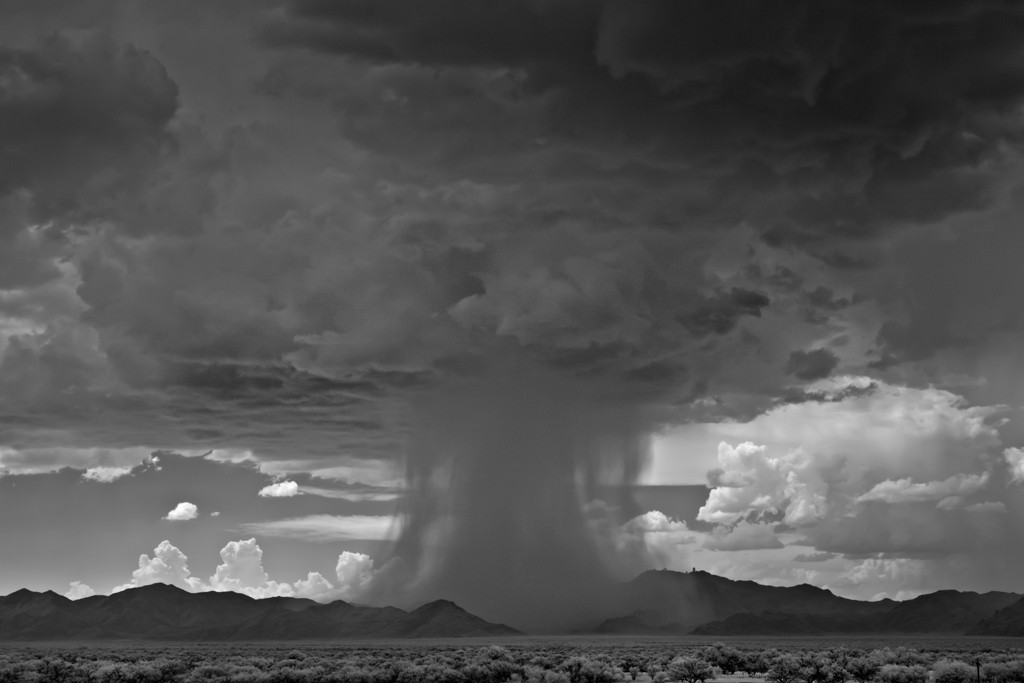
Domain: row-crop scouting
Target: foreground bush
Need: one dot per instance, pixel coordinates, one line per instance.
(899, 673)
(690, 670)
(1004, 672)
(950, 671)
(784, 669)
(863, 669)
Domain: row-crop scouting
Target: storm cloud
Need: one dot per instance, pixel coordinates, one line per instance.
(478, 257)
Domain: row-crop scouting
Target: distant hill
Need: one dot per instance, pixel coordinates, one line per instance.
(702, 603)
(674, 602)
(162, 612)
(1008, 621)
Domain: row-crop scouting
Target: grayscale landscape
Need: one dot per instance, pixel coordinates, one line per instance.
(512, 340)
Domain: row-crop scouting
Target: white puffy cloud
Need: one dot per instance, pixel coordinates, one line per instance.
(168, 565)
(654, 521)
(947, 491)
(751, 482)
(314, 587)
(183, 512)
(281, 489)
(355, 572)
(241, 570)
(652, 538)
(105, 475)
(857, 431)
(905, 477)
(78, 590)
(743, 536)
(1015, 460)
(328, 528)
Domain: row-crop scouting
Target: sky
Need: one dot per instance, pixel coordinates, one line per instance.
(393, 301)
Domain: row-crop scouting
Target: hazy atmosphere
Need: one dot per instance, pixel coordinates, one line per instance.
(503, 303)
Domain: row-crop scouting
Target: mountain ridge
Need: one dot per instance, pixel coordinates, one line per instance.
(697, 602)
(656, 602)
(1008, 621)
(165, 612)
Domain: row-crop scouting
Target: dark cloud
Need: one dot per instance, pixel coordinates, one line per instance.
(811, 365)
(820, 119)
(450, 32)
(80, 120)
(508, 242)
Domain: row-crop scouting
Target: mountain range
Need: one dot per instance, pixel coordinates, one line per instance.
(163, 612)
(667, 602)
(655, 602)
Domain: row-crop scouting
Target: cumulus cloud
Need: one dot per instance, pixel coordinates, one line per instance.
(355, 572)
(654, 521)
(241, 571)
(908, 474)
(78, 590)
(750, 482)
(314, 587)
(183, 512)
(850, 441)
(281, 489)
(106, 475)
(167, 565)
(1015, 461)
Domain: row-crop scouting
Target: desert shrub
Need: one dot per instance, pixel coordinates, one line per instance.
(55, 670)
(588, 670)
(900, 655)
(690, 670)
(535, 674)
(863, 669)
(820, 668)
(727, 659)
(1004, 672)
(755, 662)
(899, 673)
(950, 671)
(784, 669)
(10, 673)
(206, 673)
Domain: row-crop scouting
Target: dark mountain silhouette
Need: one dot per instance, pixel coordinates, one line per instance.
(674, 602)
(162, 612)
(702, 603)
(1008, 621)
(940, 612)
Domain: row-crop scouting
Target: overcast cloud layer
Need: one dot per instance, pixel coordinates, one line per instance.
(441, 282)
